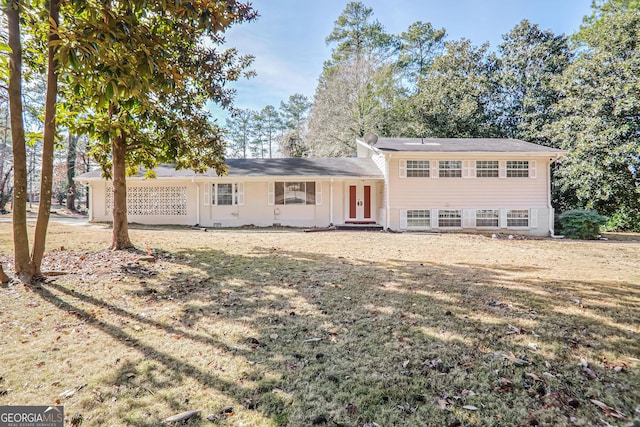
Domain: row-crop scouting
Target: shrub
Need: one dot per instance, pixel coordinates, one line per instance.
(581, 224)
(624, 219)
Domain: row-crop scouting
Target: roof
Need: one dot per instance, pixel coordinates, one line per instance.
(453, 145)
(325, 167)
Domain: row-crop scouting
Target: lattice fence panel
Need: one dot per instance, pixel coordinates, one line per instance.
(141, 201)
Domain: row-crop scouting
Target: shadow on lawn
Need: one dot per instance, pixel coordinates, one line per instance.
(349, 342)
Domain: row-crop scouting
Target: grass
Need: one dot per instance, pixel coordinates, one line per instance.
(269, 328)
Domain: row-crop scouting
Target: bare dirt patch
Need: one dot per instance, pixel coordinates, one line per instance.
(268, 327)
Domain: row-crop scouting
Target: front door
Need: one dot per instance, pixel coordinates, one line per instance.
(359, 202)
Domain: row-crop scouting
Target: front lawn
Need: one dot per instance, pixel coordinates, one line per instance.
(268, 327)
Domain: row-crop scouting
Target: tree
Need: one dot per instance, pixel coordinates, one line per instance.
(349, 99)
(239, 132)
(6, 164)
(293, 117)
(271, 124)
(454, 97)
(600, 113)
(346, 106)
(23, 264)
(419, 46)
(72, 155)
(148, 68)
(48, 138)
(529, 59)
(356, 34)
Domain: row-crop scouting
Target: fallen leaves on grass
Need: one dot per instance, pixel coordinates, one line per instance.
(608, 409)
(513, 359)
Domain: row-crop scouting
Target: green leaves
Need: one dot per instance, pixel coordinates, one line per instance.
(600, 115)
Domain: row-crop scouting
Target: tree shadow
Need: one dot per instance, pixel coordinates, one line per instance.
(347, 341)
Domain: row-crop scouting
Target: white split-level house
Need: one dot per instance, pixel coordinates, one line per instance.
(470, 184)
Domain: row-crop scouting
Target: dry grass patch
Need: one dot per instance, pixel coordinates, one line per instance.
(355, 329)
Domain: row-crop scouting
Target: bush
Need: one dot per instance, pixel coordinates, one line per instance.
(624, 219)
(581, 224)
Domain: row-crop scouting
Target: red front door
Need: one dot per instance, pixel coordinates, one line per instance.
(359, 202)
(353, 202)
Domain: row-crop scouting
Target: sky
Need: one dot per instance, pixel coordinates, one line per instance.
(288, 39)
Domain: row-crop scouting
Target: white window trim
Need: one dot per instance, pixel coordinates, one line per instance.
(271, 194)
(210, 194)
(452, 227)
(476, 169)
(404, 220)
(451, 169)
(487, 227)
(518, 227)
(404, 168)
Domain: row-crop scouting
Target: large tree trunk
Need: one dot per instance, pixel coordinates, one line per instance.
(24, 267)
(71, 172)
(48, 140)
(120, 225)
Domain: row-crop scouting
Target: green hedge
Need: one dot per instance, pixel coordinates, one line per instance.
(582, 224)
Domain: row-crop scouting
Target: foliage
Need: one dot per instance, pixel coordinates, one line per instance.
(355, 33)
(581, 224)
(350, 103)
(419, 46)
(353, 90)
(453, 98)
(529, 58)
(239, 132)
(600, 115)
(624, 220)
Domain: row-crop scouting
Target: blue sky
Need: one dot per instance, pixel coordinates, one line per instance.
(288, 40)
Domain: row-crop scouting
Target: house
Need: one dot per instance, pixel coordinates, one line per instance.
(396, 183)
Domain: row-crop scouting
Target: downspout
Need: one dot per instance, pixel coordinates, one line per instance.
(197, 203)
(331, 203)
(549, 207)
(386, 192)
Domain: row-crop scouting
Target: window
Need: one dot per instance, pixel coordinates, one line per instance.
(295, 193)
(418, 218)
(450, 168)
(418, 168)
(224, 195)
(486, 218)
(517, 168)
(518, 218)
(487, 168)
(448, 218)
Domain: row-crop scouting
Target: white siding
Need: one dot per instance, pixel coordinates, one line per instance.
(470, 194)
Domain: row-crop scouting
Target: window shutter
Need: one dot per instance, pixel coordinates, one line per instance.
(403, 219)
(466, 169)
(502, 169)
(240, 190)
(468, 218)
(403, 168)
(207, 195)
(532, 168)
(434, 218)
(318, 192)
(533, 218)
(271, 194)
(433, 169)
(503, 218)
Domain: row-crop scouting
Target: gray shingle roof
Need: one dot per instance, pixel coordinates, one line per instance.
(312, 167)
(451, 145)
